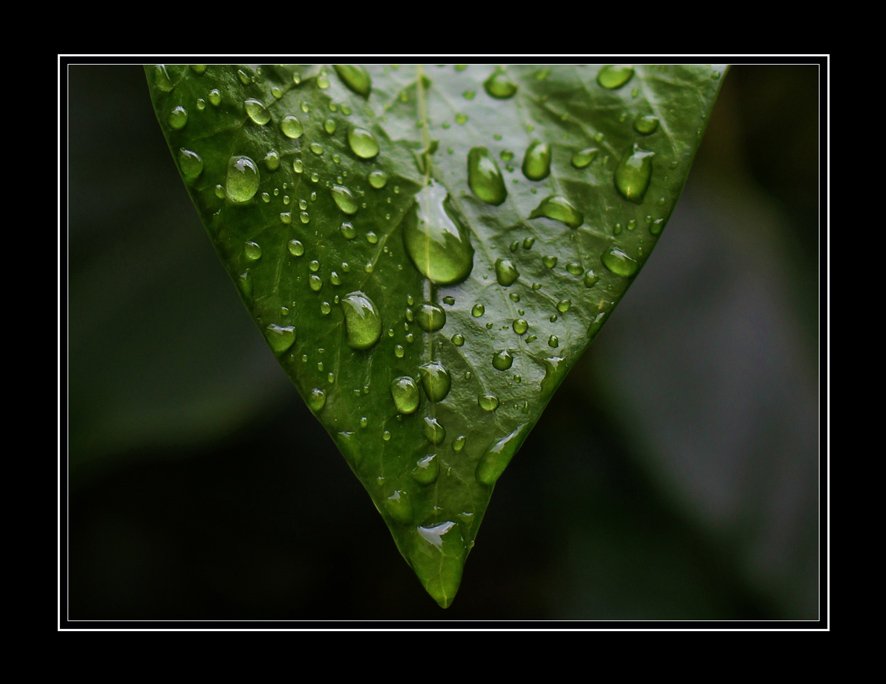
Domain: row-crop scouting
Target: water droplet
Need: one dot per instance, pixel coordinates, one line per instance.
(399, 507)
(355, 77)
(613, 76)
(345, 199)
(329, 126)
(386, 435)
(280, 337)
(214, 97)
(537, 161)
(438, 557)
(304, 217)
(633, 173)
(243, 76)
(399, 352)
(502, 360)
(574, 268)
(458, 444)
(558, 208)
(426, 470)
(461, 119)
(242, 180)
(404, 391)
(619, 263)
(496, 458)
(484, 177)
(553, 341)
(591, 279)
(316, 399)
(190, 163)
(583, 158)
(372, 238)
(449, 299)
(487, 402)
(364, 422)
(563, 305)
(362, 143)
(378, 179)
(219, 191)
(505, 272)
(478, 310)
(348, 231)
(431, 317)
(435, 380)
(272, 160)
(520, 326)
(252, 251)
(315, 282)
(362, 322)
(322, 80)
(458, 339)
(499, 85)
(314, 265)
(161, 78)
(201, 104)
(292, 127)
(325, 308)
(257, 111)
(549, 261)
(656, 226)
(434, 432)
(316, 148)
(646, 125)
(178, 117)
(469, 94)
(435, 238)
(244, 282)
(335, 278)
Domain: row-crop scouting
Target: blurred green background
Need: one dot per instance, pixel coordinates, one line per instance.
(674, 475)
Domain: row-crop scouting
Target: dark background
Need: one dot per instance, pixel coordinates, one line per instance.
(674, 475)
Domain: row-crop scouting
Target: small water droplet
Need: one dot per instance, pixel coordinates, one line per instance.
(591, 279)
(325, 308)
(646, 125)
(574, 268)
(484, 177)
(257, 111)
(497, 457)
(487, 402)
(285, 216)
(613, 76)
(355, 77)
(449, 299)
(322, 80)
(345, 199)
(583, 158)
(241, 182)
(430, 317)
(304, 217)
(190, 163)
(458, 444)
(435, 379)
(505, 272)
(314, 266)
(161, 78)
(315, 282)
(553, 341)
(469, 94)
(461, 119)
(335, 278)
(537, 161)
(478, 310)
(633, 174)
(458, 339)
(362, 143)
(563, 305)
(549, 261)
(558, 208)
(520, 326)
(378, 179)
(528, 242)
(280, 337)
(329, 126)
(435, 239)
(244, 282)
(243, 76)
(426, 470)
(372, 238)
(502, 360)
(292, 128)
(619, 263)
(362, 322)
(316, 148)
(499, 85)
(405, 393)
(399, 351)
(399, 507)
(434, 431)
(214, 97)
(178, 117)
(316, 399)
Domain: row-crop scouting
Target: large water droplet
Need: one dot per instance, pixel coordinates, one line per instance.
(558, 208)
(362, 322)
(496, 458)
(434, 432)
(355, 77)
(583, 158)
(292, 127)
(499, 85)
(190, 163)
(280, 337)
(426, 470)
(241, 182)
(633, 173)
(257, 111)
(399, 506)
(505, 272)
(345, 199)
(436, 239)
(362, 143)
(613, 76)
(484, 177)
(537, 161)
(316, 399)
(178, 117)
(437, 557)
(435, 379)
(617, 261)
(430, 317)
(404, 391)
(502, 360)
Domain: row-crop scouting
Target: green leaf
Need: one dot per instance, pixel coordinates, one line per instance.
(429, 250)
